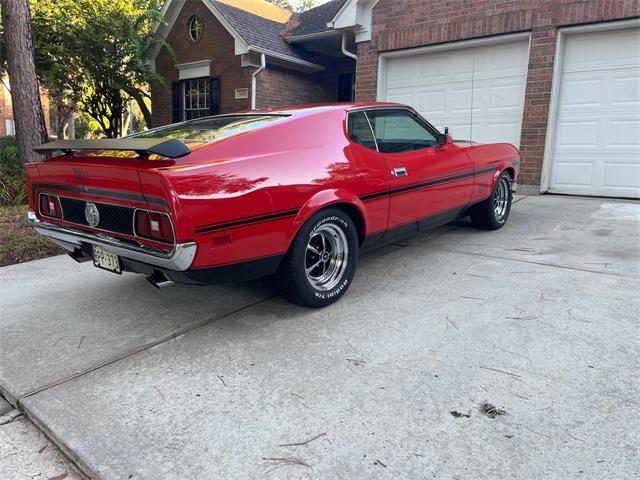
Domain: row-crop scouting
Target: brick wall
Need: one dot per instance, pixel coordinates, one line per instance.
(401, 24)
(278, 86)
(216, 45)
(6, 108)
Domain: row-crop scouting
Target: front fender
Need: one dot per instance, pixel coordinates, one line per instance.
(327, 198)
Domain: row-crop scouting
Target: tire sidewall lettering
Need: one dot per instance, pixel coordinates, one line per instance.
(344, 283)
(335, 292)
(333, 218)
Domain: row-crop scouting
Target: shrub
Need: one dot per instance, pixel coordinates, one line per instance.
(13, 182)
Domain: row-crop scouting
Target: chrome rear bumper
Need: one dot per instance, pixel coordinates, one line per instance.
(178, 259)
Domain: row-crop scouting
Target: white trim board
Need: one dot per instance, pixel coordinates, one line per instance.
(198, 69)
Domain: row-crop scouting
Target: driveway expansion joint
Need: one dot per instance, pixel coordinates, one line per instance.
(146, 347)
(542, 264)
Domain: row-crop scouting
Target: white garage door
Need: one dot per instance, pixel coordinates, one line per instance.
(596, 148)
(438, 85)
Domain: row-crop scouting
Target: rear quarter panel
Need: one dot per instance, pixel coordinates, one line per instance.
(245, 197)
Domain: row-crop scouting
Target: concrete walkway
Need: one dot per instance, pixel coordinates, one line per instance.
(540, 319)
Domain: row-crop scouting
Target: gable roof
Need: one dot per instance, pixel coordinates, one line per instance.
(259, 33)
(262, 8)
(261, 27)
(315, 20)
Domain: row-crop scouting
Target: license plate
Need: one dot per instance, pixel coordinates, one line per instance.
(106, 260)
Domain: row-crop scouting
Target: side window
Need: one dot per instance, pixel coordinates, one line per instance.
(399, 131)
(359, 130)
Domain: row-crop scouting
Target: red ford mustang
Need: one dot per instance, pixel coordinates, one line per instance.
(291, 192)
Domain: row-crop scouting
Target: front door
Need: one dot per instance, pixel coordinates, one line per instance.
(429, 183)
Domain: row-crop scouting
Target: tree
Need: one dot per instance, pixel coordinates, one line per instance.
(25, 92)
(94, 54)
(296, 5)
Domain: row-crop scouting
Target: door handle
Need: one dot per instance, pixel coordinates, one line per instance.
(399, 171)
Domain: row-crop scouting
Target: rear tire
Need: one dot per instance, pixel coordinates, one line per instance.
(321, 262)
(493, 213)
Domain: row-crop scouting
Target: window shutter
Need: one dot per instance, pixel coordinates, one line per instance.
(176, 101)
(214, 95)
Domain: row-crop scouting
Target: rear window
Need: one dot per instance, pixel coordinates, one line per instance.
(211, 129)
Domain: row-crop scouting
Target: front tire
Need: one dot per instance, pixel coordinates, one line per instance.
(493, 213)
(321, 262)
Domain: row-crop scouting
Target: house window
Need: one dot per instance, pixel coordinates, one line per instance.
(196, 98)
(8, 126)
(195, 28)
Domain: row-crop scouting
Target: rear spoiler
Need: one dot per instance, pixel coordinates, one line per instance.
(172, 148)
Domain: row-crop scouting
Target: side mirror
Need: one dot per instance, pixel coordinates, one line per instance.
(444, 138)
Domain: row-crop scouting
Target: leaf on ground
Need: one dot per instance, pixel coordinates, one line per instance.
(491, 411)
(59, 477)
(457, 414)
(357, 361)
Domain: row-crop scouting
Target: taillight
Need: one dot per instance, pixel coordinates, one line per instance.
(50, 206)
(154, 225)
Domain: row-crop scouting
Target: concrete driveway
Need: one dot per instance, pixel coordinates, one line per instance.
(541, 320)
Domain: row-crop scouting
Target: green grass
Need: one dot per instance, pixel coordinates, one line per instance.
(18, 241)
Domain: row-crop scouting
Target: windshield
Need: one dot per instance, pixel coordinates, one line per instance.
(210, 129)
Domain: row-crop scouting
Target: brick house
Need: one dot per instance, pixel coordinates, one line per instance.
(558, 78)
(7, 125)
(230, 55)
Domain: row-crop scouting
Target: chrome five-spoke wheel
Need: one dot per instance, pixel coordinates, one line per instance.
(320, 264)
(326, 257)
(494, 211)
(501, 198)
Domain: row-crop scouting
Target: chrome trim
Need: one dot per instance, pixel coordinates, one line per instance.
(179, 258)
(396, 106)
(399, 171)
(173, 230)
(375, 140)
(373, 134)
(61, 217)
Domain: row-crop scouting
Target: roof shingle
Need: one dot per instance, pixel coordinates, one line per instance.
(260, 32)
(315, 20)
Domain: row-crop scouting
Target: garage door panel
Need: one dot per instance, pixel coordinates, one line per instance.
(586, 55)
(624, 133)
(573, 173)
(496, 132)
(581, 134)
(596, 149)
(434, 101)
(460, 99)
(505, 97)
(601, 51)
(440, 89)
(626, 88)
(621, 176)
(581, 92)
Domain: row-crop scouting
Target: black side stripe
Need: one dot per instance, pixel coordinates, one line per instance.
(248, 221)
(257, 219)
(429, 183)
(101, 193)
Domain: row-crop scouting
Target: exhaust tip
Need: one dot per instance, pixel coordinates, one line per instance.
(159, 280)
(79, 256)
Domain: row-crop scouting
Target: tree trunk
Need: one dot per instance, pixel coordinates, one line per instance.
(25, 94)
(61, 117)
(71, 122)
